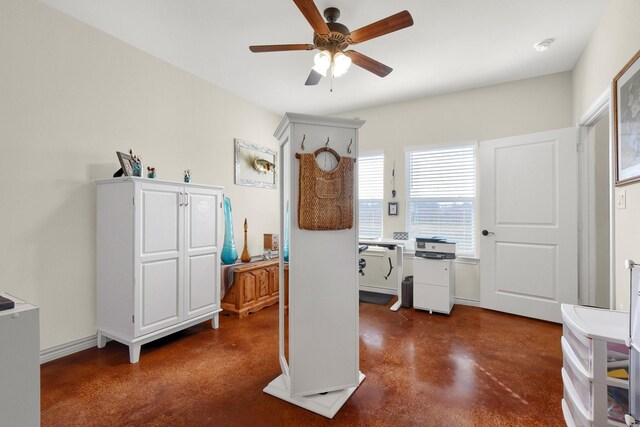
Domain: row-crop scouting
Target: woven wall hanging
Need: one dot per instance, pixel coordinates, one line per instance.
(325, 199)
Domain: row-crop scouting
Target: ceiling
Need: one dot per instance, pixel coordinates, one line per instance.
(453, 44)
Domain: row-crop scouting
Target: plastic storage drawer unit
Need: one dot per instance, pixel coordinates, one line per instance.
(593, 347)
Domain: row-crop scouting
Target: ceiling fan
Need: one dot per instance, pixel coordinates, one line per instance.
(332, 38)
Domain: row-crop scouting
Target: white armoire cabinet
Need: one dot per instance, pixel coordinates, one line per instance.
(158, 259)
(319, 354)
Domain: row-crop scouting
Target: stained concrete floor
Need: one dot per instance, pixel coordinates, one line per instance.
(473, 368)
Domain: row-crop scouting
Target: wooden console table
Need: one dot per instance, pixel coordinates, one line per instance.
(255, 286)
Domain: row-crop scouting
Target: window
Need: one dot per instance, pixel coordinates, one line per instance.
(370, 176)
(441, 188)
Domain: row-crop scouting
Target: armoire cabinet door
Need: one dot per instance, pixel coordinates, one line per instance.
(202, 251)
(159, 219)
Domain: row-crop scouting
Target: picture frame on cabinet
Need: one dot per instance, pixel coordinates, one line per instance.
(125, 163)
(255, 166)
(393, 208)
(626, 121)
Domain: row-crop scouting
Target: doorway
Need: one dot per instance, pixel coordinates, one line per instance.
(596, 206)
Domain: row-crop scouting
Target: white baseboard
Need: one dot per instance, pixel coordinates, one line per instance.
(378, 290)
(465, 301)
(66, 349)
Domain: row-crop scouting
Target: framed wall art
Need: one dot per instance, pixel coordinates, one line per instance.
(626, 113)
(393, 208)
(255, 165)
(125, 163)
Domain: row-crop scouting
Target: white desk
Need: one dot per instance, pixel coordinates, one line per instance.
(399, 244)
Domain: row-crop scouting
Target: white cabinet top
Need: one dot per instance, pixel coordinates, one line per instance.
(154, 181)
(597, 323)
(19, 307)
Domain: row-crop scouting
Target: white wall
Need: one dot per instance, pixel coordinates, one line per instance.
(515, 108)
(613, 43)
(70, 97)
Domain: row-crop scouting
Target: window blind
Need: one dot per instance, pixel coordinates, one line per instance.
(370, 193)
(441, 188)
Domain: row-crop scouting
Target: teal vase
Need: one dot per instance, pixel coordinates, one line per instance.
(229, 254)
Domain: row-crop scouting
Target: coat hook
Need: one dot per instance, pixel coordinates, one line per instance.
(304, 136)
(326, 145)
(349, 146)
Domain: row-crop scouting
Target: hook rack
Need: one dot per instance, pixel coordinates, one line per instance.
(326, 148)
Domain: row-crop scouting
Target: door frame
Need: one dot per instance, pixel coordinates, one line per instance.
(586, 202)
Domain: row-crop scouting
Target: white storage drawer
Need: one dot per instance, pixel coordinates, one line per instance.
(581, 346)
(433, 284)
(581, 416)
(582, 386)
(572, 415)
(431, 271)
(428, 297)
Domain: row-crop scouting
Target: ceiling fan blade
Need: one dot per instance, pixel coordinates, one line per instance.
(280, 47)
(313, 16)
(313, 79)
(380, 28)
(377, 68)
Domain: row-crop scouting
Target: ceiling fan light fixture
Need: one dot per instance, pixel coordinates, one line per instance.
(322, 62)
(543, 45)
(341, 64)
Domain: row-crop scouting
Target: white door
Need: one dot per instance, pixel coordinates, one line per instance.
(203, 225)
(528, 222)
(159, 218)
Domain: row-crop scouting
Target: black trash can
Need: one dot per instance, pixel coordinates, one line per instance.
(407, 292)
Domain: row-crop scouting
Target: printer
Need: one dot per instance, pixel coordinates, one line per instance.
(435, 248)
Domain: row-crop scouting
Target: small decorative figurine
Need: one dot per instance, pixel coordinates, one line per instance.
(187, 175)
(151, 172)
(136, 163)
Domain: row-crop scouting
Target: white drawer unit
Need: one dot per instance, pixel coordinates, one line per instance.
(433, 284)
(19, 365)
(593, 349)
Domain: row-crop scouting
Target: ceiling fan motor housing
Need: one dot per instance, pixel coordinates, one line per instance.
(337, 38)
